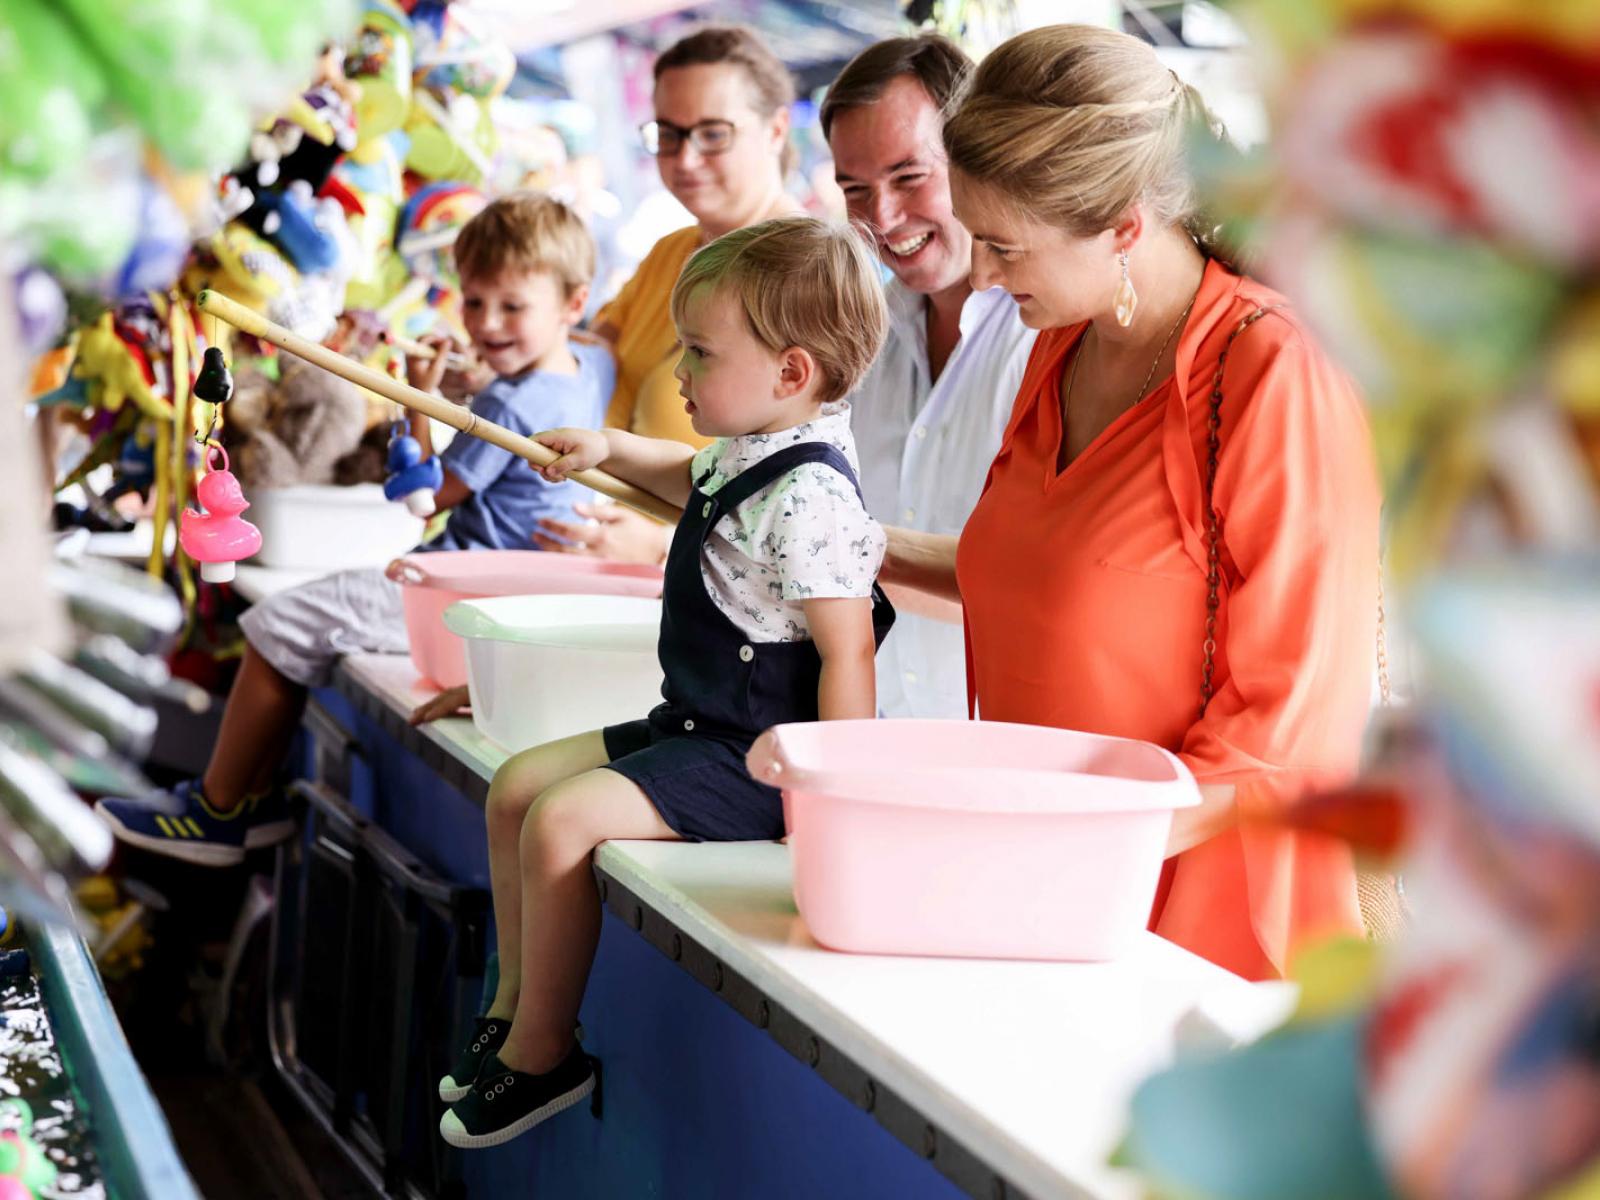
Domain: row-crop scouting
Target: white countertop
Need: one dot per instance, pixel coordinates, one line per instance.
(256, 583)
(253, 582)
(393, 679)
(1029, 1065)
(133, 546)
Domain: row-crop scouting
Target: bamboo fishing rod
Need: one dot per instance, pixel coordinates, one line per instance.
(412, 348)
(454, 415)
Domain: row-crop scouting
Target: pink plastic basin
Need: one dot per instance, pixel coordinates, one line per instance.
(972, 839)
(433, 582)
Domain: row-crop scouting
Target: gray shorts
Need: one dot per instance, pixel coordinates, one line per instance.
(305, 630)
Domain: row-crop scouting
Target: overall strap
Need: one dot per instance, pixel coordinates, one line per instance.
(746, 484)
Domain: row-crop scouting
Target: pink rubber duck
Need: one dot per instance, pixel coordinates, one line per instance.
(218, 537)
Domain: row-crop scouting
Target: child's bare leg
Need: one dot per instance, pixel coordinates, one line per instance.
(262, 713)
(561, 908)
(520, 781)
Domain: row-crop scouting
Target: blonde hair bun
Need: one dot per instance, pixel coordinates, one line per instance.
(1076, 124)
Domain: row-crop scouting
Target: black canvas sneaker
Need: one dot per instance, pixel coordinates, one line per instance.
(504, 1103)
(488, 1035)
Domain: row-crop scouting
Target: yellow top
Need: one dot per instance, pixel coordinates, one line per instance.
(646, 399)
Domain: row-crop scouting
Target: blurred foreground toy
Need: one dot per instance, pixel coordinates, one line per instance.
(109, 125)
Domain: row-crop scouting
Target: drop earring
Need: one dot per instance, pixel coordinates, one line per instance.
(1126, 299)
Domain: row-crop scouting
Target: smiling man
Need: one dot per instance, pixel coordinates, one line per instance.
(929, 415)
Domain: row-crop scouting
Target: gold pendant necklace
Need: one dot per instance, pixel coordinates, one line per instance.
(1144, 388)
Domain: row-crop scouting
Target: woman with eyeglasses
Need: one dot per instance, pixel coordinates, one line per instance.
(721, 142)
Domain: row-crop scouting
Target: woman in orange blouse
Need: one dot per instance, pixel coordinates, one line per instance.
(1084, 568)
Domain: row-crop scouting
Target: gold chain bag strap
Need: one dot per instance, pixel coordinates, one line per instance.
(1381, 909)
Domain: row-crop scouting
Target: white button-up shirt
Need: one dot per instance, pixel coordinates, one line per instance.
(925, 449)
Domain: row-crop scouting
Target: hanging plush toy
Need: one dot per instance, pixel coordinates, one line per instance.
(218, 537)
(412, 478)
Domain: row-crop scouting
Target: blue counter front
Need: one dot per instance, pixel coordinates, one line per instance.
(738, 1058)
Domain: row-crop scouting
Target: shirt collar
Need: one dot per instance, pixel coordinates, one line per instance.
(905, 306)
(908, 309)
(733, 456)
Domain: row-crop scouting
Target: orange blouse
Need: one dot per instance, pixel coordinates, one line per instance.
(1085, 597)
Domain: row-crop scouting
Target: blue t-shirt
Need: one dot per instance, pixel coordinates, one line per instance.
(508, 496)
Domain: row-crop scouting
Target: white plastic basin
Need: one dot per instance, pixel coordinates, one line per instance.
(541, 668)
(311, 527)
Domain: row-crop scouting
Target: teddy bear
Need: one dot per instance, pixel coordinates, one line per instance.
(297, 428)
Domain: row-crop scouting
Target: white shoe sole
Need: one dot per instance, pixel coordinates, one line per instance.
(268, 834)
(450, 1091)
(451, 1129)
(200, 852)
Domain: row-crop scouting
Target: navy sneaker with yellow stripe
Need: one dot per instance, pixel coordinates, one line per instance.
(184, 825)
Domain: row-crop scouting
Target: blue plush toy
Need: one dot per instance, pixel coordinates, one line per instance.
(412, 478)
(288, 219)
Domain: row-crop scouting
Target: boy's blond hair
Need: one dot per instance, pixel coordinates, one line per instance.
(527, 231)
(802, 282)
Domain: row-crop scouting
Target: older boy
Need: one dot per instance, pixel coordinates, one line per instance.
(525, 263)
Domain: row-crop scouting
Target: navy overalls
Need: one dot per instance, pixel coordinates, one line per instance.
(721, 689)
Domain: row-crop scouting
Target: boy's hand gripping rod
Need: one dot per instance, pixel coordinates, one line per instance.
(458, 416)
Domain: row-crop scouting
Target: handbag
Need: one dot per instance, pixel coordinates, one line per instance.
(1378, 892)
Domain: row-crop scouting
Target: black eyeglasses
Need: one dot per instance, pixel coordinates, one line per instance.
(663, 139)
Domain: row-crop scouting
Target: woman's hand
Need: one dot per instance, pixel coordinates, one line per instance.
(612, 531)
(447, 703)
(579, 450)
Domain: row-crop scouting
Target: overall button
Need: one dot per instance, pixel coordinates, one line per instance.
(921, 432)
(746, 653)
(688, 726)
(705, 509)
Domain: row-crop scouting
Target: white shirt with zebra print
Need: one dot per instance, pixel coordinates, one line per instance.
(804, 536)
